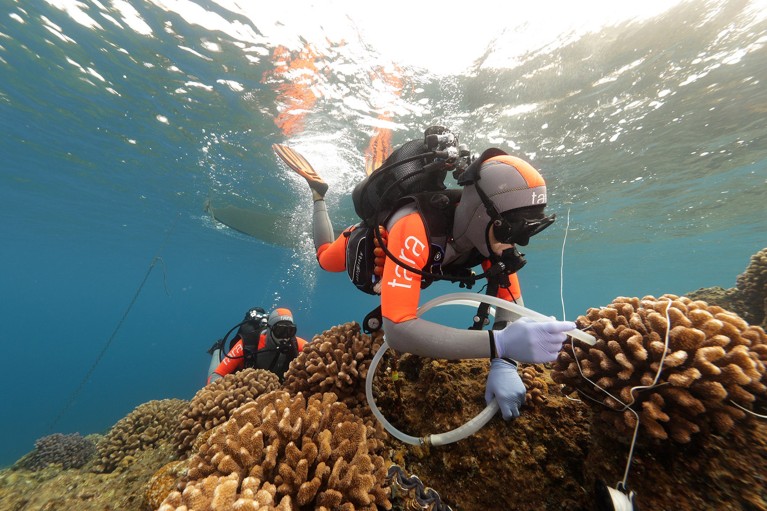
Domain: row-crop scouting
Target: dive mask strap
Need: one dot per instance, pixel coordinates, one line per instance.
(471, 174)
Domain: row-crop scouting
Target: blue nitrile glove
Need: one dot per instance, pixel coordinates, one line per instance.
(531, 341)
(505, 385)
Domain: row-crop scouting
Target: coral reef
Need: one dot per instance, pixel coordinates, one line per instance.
(282, 449)
(336, 361)
(748, 299)
(533, 462)
(286, 451)
(713, 473)
(712, 369)
(69, 451)
(54, 488)
(163, 482)
(752, 285)
(146, 426)
(535, 383)
(213, 404)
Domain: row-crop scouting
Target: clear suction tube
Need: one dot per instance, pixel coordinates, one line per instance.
(485, 415)
(476, 299)
(449, 437)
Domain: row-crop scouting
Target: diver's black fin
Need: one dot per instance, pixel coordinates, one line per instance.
(298, 163)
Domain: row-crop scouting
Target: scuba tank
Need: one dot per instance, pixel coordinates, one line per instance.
(416, 167)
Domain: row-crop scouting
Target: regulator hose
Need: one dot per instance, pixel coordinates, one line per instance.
(475, 424)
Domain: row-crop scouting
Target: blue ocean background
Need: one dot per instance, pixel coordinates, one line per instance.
(122, 119)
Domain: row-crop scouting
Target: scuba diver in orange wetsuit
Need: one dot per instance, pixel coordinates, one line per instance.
(441, 234)
(262, 341)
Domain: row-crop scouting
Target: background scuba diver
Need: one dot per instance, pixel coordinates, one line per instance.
(262, 341)
(448, 232)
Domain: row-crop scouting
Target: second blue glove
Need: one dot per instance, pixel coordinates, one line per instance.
(506, 387)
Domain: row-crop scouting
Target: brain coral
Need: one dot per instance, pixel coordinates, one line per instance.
(145, 427)
(336, 361)
(213, 404)
(285, 452)
(715, 364)
(69, 451)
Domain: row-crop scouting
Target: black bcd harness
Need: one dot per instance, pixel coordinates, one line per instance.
(285, 350)
(415, 173)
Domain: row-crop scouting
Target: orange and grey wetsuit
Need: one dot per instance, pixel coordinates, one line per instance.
(401, 289)
(235, 359)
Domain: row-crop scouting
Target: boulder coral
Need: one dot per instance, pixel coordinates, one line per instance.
(285, 452)
(213, 404)
(69, 451)
(682, 366)
(752, 285)
(147, 426)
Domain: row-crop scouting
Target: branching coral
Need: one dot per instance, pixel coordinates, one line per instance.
(714, 364)
(537, 388)
(336, 361)
(69, 451)
(285, 452)
(145, 427)
(213, 404)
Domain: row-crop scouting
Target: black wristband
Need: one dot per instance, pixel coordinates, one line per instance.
(493, 352)
(510, 361)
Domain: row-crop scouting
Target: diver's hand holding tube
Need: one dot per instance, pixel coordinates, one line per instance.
(530, 341)
(506, 387)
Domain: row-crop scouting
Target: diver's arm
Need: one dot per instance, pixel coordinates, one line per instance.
(400, 292)
(426, 339)
(232, 361)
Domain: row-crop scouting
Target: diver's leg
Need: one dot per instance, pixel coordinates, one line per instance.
(322, 228)
(215, 359)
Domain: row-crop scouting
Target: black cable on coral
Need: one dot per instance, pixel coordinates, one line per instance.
(104, 349)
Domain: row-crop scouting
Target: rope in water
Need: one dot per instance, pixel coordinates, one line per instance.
(117, 328)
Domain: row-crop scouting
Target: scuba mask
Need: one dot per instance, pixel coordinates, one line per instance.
(283, 330)
(514, 228)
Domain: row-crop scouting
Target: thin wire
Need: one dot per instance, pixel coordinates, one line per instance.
(631, 392)
(749, 411)
(562, 268)
(104, 349)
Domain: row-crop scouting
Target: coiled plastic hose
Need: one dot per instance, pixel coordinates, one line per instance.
(475, 424)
